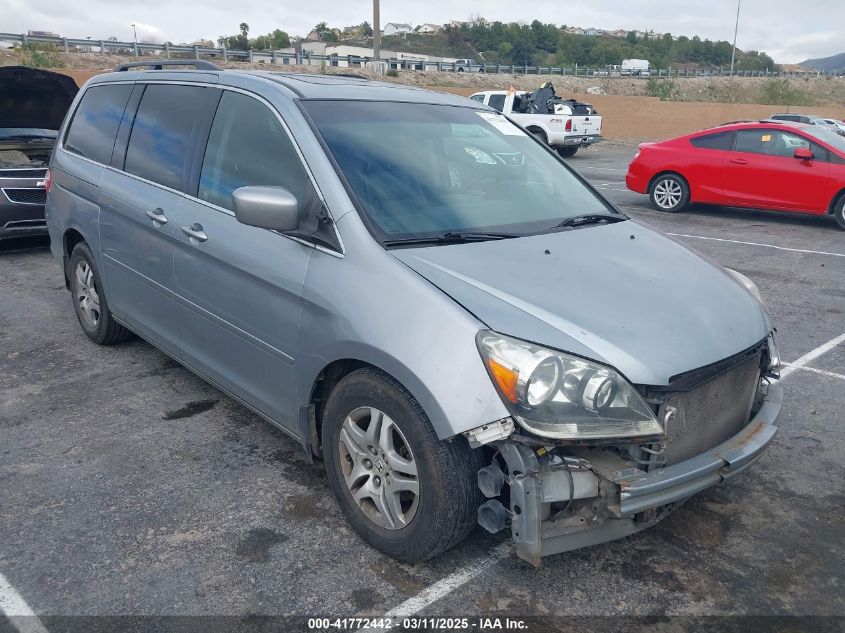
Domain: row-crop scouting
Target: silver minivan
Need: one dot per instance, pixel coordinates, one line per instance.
(433, 304)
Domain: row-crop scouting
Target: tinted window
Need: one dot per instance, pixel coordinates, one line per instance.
(776, 143)
(163, 132)
(497, 102)
(479, 98)
(248, 146)
(721, 140)
(94, 126)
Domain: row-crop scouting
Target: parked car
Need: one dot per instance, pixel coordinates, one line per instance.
(566, 127)
(776, 165)
(468, 65)
(33, 103)
(463, 321)
(836, 126)
(795, 118)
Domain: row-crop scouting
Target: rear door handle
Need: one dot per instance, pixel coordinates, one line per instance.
(738, 161)
(157, 215)
(195, 232)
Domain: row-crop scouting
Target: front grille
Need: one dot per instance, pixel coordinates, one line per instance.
(26, 196)
(23, 173)
(711, 412)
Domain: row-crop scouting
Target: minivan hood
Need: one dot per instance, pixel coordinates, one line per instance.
(34, 98)
(621, 294)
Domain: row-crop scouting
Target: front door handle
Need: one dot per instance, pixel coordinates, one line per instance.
(738, 161)
(157, 215)
(195, 232)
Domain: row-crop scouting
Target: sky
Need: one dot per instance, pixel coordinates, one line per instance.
(787, 30)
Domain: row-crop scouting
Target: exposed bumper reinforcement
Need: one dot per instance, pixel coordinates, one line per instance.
(628, 494)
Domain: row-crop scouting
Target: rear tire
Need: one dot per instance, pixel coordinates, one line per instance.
(89, 300)
(669, 193)
(839, 212)
(566, 152)
(374, 469)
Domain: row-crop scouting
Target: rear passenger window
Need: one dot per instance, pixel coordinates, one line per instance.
(248, 146)
(94, 126)
(497, 102)
(164, 128)
(721, 140)
(479, 98)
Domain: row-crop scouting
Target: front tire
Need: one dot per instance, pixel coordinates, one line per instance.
(407, 493)
(839, 212)
(89, 300)
(669, 193)
(566, 152)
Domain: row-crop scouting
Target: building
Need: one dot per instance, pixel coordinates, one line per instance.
(396, 28)
(429, 29)
(592, 31)
(618, 33)
(575, 30)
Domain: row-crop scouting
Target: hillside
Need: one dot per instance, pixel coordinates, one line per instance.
(826, 64)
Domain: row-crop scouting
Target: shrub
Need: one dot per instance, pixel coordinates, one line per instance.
(662, 88)
(40, 56)
(781, 92)
(392, 73)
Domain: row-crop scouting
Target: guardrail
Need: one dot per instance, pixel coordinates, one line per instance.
(351, 61)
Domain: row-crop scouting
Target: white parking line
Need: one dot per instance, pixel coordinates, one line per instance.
(812, 355)
(448, 584)
(780, 248)
(823, 372)
(14, 607)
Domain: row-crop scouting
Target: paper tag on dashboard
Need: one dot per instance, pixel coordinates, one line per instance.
(501, 123)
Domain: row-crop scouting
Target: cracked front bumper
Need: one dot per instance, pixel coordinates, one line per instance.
(629, 499)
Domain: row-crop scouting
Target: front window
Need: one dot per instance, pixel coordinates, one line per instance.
(421, 170)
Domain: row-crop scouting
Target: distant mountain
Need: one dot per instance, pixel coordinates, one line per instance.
(826, 64)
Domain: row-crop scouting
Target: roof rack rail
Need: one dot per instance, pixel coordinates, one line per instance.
(199, 64)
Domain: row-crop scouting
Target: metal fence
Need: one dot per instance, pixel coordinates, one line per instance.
(351, 61)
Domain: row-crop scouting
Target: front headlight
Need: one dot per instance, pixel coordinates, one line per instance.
(557, 395)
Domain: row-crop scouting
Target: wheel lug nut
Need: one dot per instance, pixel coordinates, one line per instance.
(373, 450)
(376, 481)
(368, 464)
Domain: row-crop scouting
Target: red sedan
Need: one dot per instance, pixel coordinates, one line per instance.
(781, 166)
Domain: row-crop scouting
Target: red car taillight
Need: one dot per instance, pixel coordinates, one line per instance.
(568, 127)
(48, 181)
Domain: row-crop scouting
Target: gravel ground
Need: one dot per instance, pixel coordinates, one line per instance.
(130, 487)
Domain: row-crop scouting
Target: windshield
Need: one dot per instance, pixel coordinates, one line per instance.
(421, 170)
(828, 136)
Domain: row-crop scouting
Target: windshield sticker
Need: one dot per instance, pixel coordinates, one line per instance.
(501, 123)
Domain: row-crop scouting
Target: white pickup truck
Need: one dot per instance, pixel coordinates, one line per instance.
(571, 126)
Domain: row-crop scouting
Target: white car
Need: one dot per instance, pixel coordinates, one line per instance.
(836, 126)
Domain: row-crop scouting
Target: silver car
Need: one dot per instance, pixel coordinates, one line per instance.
(423, 295)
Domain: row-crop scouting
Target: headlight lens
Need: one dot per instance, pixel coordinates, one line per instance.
(557, 395)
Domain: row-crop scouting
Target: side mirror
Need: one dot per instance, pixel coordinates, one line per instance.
(802, 153)
(273, 208)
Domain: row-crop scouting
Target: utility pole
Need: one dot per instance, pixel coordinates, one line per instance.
(736, 29)
(135, 33)
(376, 31)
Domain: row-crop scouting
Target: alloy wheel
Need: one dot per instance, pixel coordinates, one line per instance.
(668, 193)
(87, 296)
(379, 468)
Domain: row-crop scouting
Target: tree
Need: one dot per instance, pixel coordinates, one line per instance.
(366, 29)
(631, 37)
(279, 39)
(244, 28)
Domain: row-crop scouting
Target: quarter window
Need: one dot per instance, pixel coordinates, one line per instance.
(479, 98)
(163, 133)
(720, 140)
(248, 146)
(94, 127)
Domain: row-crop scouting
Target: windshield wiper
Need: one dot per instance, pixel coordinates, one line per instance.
(591, 218)
(451, 237)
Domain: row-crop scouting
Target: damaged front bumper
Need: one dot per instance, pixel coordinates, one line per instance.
(604, 496)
